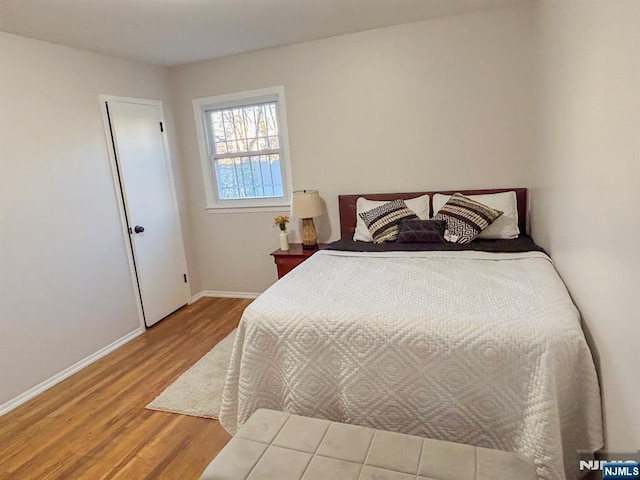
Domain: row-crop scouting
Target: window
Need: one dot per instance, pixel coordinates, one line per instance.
(243, 145)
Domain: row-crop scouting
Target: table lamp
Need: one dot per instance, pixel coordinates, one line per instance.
(306, 204)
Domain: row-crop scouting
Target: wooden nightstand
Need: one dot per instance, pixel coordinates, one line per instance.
(287, 261)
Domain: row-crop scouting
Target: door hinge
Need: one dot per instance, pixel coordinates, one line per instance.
(184, 275)
(161, 127)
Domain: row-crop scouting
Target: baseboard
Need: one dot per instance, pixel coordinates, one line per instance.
(215, 293)
(32, 392)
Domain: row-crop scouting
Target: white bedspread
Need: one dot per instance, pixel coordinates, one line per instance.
(471, 347)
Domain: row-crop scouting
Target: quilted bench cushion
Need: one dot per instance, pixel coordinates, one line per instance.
(276, 445)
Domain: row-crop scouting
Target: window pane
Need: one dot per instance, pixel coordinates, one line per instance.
(256, 176)
(238, 128)
(274, 162)
(266, 172)
(272, 120)
(230, 147)
(251, 131)
(216, 119)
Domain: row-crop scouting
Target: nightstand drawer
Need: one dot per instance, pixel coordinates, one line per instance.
(289, 259)
(286, 264)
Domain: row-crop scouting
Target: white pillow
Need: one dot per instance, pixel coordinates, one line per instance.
(505, 227)
(419, 205)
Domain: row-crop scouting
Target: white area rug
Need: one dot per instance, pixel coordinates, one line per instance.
(198, 391)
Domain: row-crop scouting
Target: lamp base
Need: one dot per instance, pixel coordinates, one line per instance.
(308, 235)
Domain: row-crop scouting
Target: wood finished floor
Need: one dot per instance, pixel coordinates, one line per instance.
(93, 425)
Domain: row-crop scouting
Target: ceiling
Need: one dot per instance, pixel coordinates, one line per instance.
(172, 32)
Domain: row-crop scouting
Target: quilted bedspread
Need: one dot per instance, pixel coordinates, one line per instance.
(470, 347)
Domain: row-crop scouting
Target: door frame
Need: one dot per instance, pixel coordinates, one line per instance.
(121, 194)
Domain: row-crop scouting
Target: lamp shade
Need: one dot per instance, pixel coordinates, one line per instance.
(306, 204)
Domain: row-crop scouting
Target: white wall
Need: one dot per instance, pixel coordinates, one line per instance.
(585, 184)
(65, 289)
(441, 103)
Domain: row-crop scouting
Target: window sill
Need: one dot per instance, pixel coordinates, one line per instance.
(266, 209)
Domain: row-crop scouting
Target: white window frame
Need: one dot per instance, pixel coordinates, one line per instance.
(250, 97)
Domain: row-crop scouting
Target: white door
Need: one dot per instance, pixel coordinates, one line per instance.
(150, 207)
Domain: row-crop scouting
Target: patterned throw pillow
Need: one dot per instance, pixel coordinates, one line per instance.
(421, 231)
(465, 218)
(383, 221)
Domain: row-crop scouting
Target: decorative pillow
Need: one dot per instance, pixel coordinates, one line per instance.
(419, 205)
(465, 218)
(421, 231)
(505, 227)
(383, 221)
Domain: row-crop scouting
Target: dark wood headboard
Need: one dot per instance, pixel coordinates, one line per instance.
(347, 205)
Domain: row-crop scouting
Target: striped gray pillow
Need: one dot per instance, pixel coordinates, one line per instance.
(466, 218)
(383, 221)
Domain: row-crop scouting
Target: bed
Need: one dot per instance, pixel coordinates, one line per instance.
(475, 344)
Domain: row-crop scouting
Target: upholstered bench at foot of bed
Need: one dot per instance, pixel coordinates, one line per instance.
(279, 446)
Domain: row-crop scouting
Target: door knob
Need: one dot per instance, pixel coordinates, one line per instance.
(138, 229)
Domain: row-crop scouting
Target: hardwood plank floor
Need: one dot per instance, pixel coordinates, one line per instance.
(93, 425)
